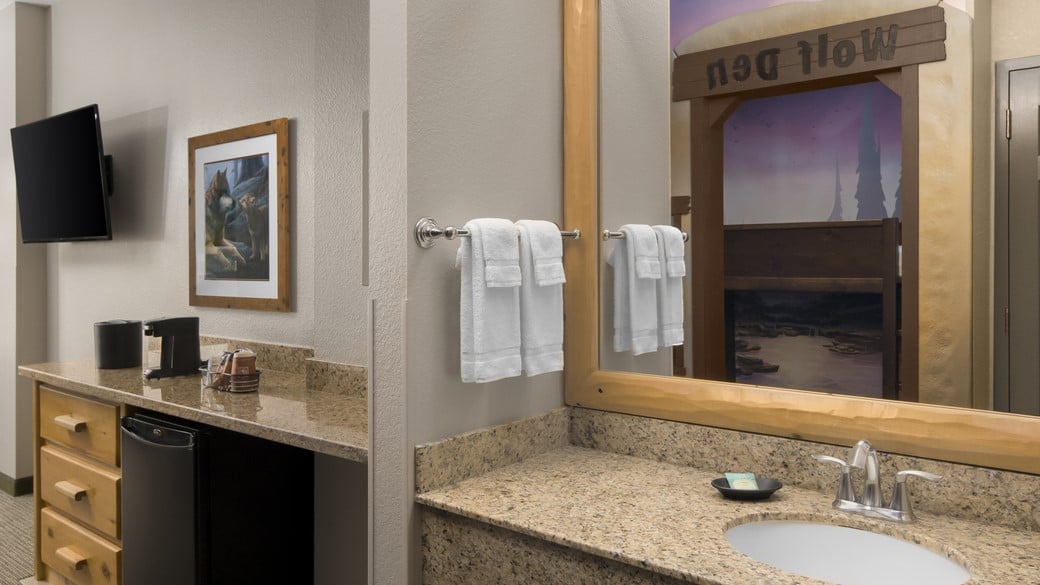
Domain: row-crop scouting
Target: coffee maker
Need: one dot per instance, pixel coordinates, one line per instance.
(180, 354)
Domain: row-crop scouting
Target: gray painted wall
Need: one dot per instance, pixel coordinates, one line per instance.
(466, 122)
(390, 511)
(23, 57)
(635, 102)
(162, 72)
(484, 140)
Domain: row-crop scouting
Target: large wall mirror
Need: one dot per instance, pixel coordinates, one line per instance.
(628, 149)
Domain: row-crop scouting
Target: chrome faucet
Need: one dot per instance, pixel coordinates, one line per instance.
(863, 456)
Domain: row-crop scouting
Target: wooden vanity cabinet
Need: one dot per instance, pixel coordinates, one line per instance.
(77, 488)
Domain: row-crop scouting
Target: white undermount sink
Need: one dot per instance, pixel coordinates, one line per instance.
(839, 554)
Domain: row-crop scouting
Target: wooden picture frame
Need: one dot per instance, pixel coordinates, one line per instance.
(238, 218)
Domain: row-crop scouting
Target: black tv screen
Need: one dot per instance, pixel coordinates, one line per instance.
(60, 173)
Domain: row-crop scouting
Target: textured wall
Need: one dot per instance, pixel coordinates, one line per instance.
(340, 96)
(635, 66)
(945, 203)
(23, 54)
(1014, 22)
(162, 72)
(389, 463)
(484, 140)
(484, 122)
(8, 264)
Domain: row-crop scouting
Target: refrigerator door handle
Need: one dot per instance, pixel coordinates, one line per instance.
(155, 436)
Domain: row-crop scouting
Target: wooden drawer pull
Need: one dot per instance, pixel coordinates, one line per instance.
(71, 490)
(71, 423)
(71, 557)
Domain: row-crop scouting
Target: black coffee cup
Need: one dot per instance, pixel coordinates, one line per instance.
(117, 344)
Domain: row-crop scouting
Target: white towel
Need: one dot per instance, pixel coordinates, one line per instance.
(635, 299)
(501, 251)
(643, 242)
(546, 248)
(489, 317)
(541, 296)
(671, 239)
(670, 287)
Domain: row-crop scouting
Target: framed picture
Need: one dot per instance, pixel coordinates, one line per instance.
(238, 199)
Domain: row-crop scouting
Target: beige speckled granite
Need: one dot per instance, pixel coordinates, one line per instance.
(667, 518)
(456, 458)
(337, 378)
(459, 551)
(269, 356)
(283, 410)
(974, 493)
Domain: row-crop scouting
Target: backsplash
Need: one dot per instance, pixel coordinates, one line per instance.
(449, 461)
(323, 376)
(337, 378)
(974, 493)
(995, 496)
(284, 358)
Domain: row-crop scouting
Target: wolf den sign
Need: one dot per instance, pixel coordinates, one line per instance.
(861, 47)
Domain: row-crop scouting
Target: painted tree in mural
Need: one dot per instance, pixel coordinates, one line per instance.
(836, 212)
(869, 193)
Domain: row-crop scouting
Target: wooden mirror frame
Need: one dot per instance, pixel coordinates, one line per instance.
(961, 435)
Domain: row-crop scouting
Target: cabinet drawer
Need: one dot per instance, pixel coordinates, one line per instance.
(81, 423)
(75, 553)
(86, 491)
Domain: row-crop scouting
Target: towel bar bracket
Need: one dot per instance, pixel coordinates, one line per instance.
(427, 231)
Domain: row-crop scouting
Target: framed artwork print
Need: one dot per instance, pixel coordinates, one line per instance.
(238, 221)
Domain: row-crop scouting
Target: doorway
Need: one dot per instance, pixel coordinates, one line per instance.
(1016, 339)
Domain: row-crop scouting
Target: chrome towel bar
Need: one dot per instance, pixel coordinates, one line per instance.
(611, 235)
(427, 231)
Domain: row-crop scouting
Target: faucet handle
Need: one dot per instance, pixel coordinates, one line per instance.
(901, 494)
(829, 459)
(846, 491)
(902, 475)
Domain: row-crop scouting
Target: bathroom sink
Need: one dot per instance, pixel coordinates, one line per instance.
(839, 554)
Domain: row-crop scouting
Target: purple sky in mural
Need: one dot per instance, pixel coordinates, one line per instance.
(688, 16)
(780, 153)
(766, 139)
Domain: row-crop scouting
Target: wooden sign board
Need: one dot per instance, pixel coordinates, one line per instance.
(876, 44)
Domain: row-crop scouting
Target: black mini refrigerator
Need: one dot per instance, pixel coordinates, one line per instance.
(205, 506)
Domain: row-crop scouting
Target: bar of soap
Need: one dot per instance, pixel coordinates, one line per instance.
(742, 481)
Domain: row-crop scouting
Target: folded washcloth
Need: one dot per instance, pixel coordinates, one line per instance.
(541, 297)
(489, 317)
(635, 300)
(670, 288)
(671, 239)
(546, 247)
(643, 242)
(501, 251)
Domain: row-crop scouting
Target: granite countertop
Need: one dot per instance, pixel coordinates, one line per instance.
(284, 410)
(668, 519)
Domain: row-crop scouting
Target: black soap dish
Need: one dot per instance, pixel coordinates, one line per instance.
(766, 487)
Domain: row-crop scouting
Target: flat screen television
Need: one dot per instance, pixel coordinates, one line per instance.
(63, 178)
